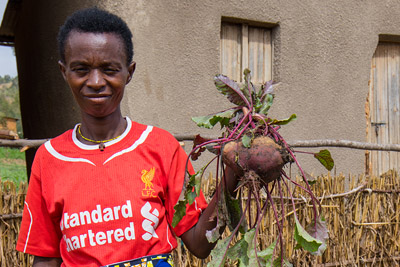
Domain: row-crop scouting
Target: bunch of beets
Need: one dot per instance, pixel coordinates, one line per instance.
(253, 148)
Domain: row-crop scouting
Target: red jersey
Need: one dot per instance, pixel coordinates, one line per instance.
(93, 207)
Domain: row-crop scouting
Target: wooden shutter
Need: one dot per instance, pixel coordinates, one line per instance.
(243, 46)
(383, 114)
(259, 54)
(231, 51)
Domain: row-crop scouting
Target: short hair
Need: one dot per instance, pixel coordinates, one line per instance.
(95, 20)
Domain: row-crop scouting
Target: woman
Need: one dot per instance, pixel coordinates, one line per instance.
(103, 193)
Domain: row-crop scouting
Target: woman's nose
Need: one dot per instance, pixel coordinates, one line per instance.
(95, 80)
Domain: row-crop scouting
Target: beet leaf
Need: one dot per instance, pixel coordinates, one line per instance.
(248, 88)
(324, 156)
(224, 217)
(249, 238)
(310, 179)
(214, 234)
(320, 232)
(263, 257)
(281, 263)
(304, 239)
(219, 253)
(232, 90)
(197, 141)
(284, 121)
(239, 252)
(191, 191)
(268, 253)
(246, 140)
(264, 106)
(209, 121)
(180, 211)
(267, 89)
(234, 212)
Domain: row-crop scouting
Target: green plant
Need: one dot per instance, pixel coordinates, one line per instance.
(12, 165)
(260, 164)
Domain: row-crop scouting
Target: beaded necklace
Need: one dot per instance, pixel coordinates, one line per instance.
(101, 143)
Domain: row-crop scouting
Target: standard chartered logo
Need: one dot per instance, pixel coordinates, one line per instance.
(151, 221)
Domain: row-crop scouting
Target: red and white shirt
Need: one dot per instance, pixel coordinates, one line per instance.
(93, 207)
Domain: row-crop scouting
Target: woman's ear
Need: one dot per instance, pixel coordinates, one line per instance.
(62, 69)
(131, 70)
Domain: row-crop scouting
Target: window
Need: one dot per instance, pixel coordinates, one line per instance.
(244, 46)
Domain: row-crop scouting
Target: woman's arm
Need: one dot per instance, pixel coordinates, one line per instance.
(195, 238)
(46, 262)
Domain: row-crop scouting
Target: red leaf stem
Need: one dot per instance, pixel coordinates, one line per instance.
(243, 130)
(249, 196)
(264, 210)
(237, 127)
(299, 185)
(283, 217)
(313, 198)
(276, 217)
(291, 197)
(257, 198)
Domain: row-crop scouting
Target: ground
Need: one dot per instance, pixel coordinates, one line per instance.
(12, 165)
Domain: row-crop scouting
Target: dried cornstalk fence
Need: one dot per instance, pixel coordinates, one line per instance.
(363, 223)
(11, 207)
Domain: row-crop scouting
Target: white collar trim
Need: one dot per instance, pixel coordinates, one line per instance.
(107, 144)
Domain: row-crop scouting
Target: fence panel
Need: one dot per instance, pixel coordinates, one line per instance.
(363, 223)
(11, 207)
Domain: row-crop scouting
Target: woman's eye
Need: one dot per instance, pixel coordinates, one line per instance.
(80, 70)
(110, 71)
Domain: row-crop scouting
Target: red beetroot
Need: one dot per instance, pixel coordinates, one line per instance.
(264, 157)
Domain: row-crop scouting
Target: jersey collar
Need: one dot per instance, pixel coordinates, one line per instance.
(96, 146)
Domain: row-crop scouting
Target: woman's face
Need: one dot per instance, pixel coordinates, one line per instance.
(96, 70)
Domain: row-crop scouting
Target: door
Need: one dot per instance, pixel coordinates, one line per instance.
(382, 109)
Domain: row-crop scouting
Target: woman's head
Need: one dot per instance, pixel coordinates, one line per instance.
(96, 60)
(94, 20)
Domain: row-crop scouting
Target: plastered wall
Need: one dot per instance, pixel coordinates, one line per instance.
(322, 57)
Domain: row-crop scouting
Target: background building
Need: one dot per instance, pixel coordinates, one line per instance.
(322, 52)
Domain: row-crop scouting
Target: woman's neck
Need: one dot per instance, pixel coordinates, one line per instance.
(101, 129)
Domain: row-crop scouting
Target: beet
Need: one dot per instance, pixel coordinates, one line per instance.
(264, 157)
(246, 147)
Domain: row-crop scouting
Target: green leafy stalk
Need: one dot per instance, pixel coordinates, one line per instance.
(324, 156)
(284, 121)
(279, 262)
(246, 141)
(319, 231)
(218, 254)
(192, 190)
(209, 121)
(304, 239)
(231, 89)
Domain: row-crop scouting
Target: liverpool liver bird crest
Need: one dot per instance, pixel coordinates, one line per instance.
(147, 177)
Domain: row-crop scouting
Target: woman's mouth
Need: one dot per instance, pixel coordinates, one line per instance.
(97, 98)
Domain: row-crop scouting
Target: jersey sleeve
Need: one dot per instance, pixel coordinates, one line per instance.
(39, 234)
(175, 185)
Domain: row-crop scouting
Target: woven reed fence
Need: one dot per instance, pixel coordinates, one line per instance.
(11, 207)
(363, 222)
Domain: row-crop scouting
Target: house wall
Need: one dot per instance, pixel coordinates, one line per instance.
(47, 105)
(322, 57)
